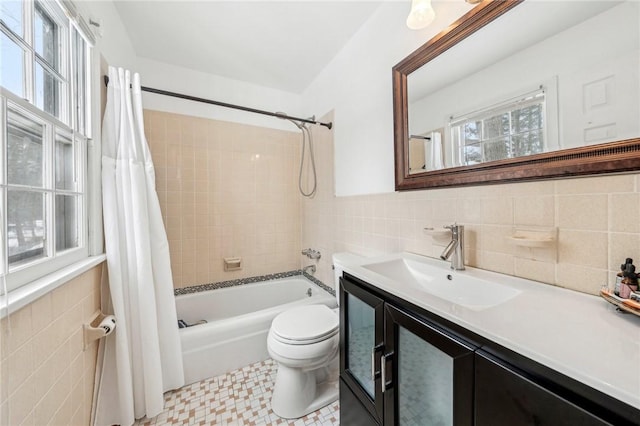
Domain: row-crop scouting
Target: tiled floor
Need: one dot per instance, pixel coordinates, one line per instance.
(241, 397)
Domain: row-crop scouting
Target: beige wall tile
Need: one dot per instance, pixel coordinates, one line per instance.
(470, 210)
(18, 367)
(624, 212)
(581, 278)
(537, 210)
(596, 185)
(544, 272)
(445, 210)
(498, 262)
(497, 210)
(584, 212)
(494, 238)
(228, 188)
(21, 402)
(583, 248)
(45, 353)
(17, 330)
(622, 246)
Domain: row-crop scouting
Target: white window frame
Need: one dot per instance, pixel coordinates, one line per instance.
(21, 274)
(456, 124)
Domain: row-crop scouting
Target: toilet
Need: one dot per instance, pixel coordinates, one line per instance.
(305, 342)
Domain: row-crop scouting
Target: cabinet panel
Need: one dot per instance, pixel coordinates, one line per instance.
(354, 413)
(503, 397)
(425, 389)
(360, 325)
(431, 379)
(361, 344)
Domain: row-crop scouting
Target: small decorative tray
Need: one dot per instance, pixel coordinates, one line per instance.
(626, 305)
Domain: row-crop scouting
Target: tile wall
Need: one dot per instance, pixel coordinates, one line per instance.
(231, 190)
(45, 375)
(598, 222)
(225, 190)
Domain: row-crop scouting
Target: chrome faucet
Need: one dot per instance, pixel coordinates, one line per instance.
(308, 268)
(455, 247)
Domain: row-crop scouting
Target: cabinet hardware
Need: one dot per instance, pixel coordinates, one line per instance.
(374, 350)
(383, 370)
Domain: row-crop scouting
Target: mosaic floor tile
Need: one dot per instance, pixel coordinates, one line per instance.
(239, 398)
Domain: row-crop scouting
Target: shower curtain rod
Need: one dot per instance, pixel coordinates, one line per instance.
(281, 115)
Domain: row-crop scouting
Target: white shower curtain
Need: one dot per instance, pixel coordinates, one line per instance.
(142, 358)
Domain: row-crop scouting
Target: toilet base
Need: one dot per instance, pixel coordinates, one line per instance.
(297, 393)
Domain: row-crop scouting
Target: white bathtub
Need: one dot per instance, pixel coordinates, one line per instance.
(238, 320)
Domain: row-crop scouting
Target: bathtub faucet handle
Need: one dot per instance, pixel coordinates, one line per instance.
(311, 253)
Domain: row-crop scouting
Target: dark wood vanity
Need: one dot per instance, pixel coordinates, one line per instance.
(402, 364)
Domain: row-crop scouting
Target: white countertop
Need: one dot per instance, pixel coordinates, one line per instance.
(578, 335)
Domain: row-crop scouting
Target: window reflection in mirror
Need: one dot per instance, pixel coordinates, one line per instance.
(573, 84)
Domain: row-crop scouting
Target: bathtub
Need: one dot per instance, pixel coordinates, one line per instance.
(238, 320)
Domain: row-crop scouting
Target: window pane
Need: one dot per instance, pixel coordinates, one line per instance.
(24, 150)
(66, 222)
(528, 118)
(46, 37)
(472, 132)
(64, 163)
(11, 65)
(528, 143)
(26, 229)
(496, 126)
(11, 15)
(79, 69)
(472, 154)
(47, 91)
(497, 149)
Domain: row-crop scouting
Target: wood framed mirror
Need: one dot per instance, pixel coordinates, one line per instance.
(571, 144)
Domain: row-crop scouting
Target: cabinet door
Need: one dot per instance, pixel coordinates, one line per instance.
(429, 374)
(504, 397)
(361, 336)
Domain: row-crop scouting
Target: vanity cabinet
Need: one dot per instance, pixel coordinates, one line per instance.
(504, 397)
(402, 370)
(402, 365)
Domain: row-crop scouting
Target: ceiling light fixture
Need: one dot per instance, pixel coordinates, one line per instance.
(421, 14)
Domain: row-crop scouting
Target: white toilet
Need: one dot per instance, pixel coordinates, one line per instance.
(305, 342)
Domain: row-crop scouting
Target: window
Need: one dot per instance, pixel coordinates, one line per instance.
(45, 126)
(511, 129)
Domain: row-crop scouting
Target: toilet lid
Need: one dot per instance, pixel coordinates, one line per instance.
(305, 323)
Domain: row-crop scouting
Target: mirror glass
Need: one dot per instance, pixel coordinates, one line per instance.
(545, 76)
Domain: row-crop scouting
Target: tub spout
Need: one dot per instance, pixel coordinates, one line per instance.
(311, 268)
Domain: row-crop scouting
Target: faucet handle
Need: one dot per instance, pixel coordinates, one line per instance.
(455, 225)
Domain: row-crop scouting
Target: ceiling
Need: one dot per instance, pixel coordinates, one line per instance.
(278, 44)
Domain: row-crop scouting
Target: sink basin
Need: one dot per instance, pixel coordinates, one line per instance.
(454, 286)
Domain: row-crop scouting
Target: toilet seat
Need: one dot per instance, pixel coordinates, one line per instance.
(305, 325)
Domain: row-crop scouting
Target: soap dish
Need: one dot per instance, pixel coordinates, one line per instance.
(534, 237)
(625, 305)
(528, 241)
